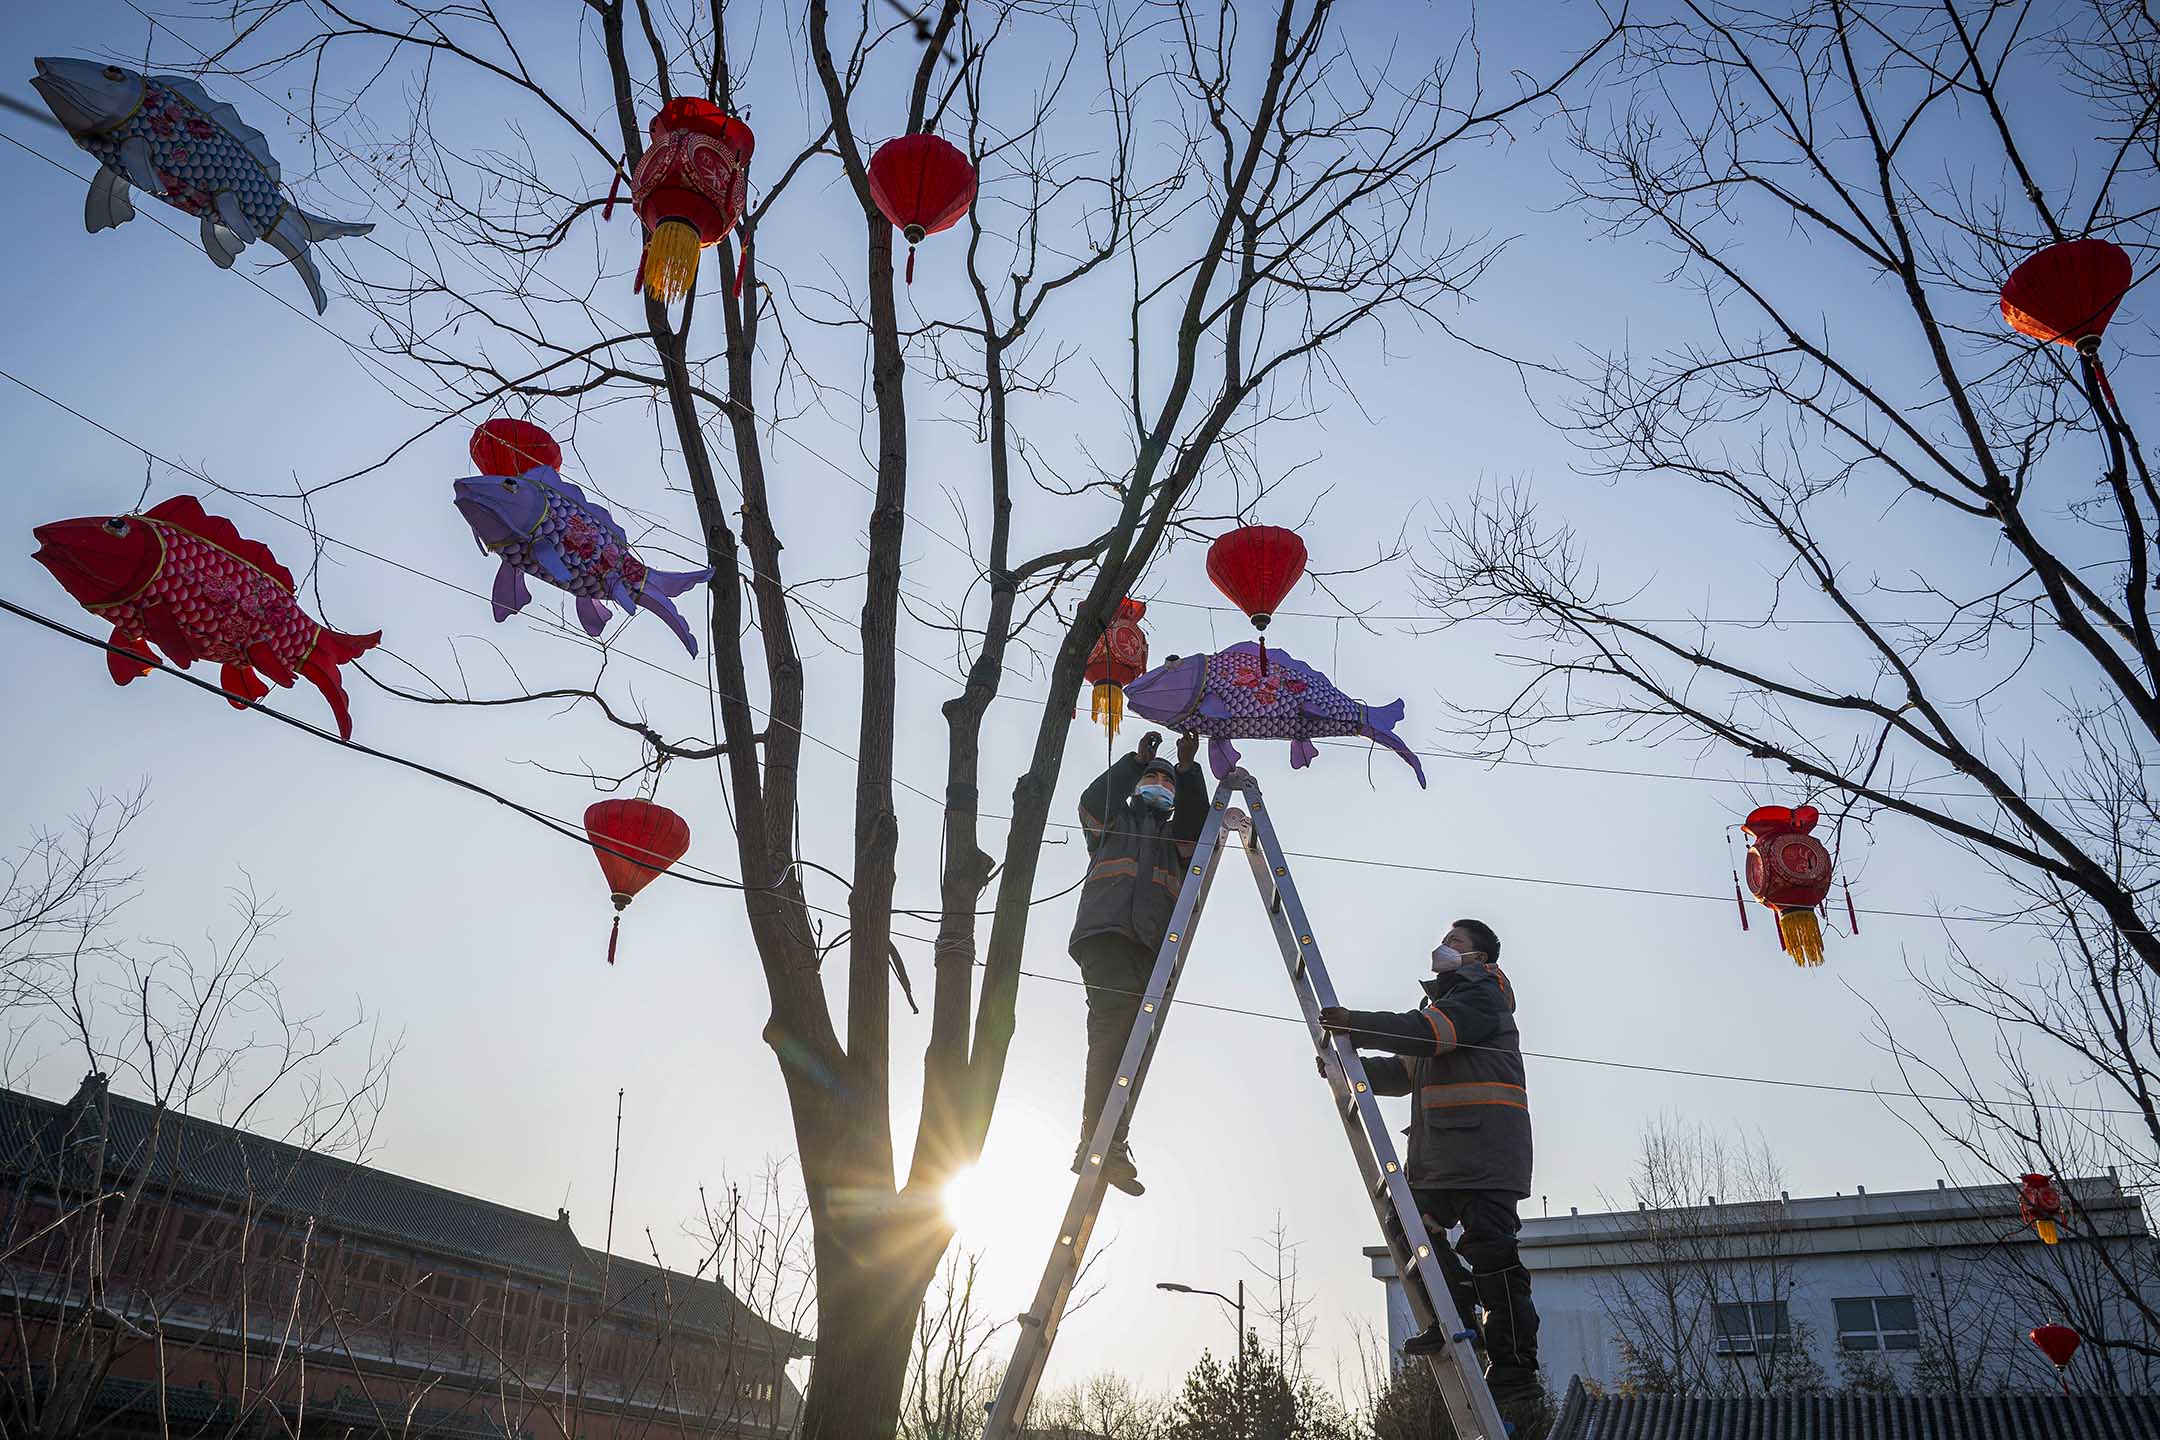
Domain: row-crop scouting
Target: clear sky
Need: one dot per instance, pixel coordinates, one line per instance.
(477, 938)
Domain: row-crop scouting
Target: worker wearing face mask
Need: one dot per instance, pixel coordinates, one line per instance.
(1459, 1056)
(1141, 818)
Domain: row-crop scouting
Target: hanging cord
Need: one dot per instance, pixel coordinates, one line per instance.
(1739, 899)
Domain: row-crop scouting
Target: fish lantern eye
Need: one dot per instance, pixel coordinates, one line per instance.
(116, 526)
(510, 485)
(115, 74)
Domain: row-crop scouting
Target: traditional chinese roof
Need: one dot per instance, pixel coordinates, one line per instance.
(1589, 1416)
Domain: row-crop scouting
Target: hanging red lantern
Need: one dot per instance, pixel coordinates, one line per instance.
(2059, 1343)
(923, 185)
(1254, 566)
(1788, 870)
(507, 446)
(1118, 659)
(635, 841)
(689, 190)
(2066, 294)
(2040, 1207)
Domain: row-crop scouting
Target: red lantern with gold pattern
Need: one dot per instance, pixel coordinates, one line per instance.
(2040, 1206)
(635, 841)
(1254, 566)
(689, 190)
(1788, 870)
(508, 446)
(1118, 659)
(923, 185)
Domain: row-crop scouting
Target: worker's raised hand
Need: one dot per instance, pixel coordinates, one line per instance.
(1188, 746)
(1149, 744)
(1334, 1019)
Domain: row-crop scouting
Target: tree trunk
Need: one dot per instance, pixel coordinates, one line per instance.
(872, 1275)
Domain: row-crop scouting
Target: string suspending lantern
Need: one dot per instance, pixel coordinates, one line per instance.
(635, 841)
(1118, 659)
(922, 184)
(689, 190)
(2066, 294)
(507, 446)
(1255, 566)
(2040, 1206)
(1789, 871)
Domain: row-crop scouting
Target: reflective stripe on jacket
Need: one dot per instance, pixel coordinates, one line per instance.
(1460, 1054)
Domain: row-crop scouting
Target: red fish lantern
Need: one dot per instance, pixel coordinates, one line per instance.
(1255, 566)
(1789, 871)
(2040, 1207)
(689, 190)
(1118, 659)
(635, 841)
(507, 446)
(2066, 294)
(923, 185)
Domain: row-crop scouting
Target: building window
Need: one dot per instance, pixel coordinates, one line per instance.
(1748, 1327)
(1878, 1322)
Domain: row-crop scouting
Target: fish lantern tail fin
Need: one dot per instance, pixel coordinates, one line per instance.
(1801, 935)
(2047, 1231)
(671, 261)
(1108, 706)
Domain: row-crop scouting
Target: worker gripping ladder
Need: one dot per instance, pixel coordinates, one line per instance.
(1462, 1383)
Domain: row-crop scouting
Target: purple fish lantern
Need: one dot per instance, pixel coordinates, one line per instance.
(540, 524)
(1234, 695)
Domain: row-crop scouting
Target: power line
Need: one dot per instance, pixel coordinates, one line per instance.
(701, 876)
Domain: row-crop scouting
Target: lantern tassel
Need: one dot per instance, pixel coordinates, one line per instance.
(911, 264)
(2046, 1230)
(671, 261)
(1852, 916)
(614, 932)
(742, 263)
(1738, 900)
(1801, 935)
(614, 189)
(1108, 706)
(1263, 652)
(2106, 390)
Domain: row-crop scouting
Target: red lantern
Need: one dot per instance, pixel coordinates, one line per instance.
(504, 446)
(2066, 294)
(2040, 1207)
(2059, 1343)
(689, 190)
(1255, 566)
(923, 185)
(635, 840)
(1118, 659)
(1789, 871)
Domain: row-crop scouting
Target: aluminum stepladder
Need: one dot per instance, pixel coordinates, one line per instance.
(1462, 1384)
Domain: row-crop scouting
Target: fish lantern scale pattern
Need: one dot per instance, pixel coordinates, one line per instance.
(689, 190)
(635, 841)
(1789, 871)
(922, 184)
(1255, 566)
(2040, 1207)
(1118, 659)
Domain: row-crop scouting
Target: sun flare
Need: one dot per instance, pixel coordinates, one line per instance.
(975, 1206)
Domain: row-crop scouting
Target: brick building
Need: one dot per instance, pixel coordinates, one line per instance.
(166, 1274)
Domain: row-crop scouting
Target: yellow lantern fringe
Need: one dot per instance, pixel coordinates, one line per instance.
(1801, 936)
(1108, 706)
(671, 259)
(2047, 1231)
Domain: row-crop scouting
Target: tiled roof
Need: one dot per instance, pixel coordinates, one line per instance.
(1586, 1416)
(206, 1160)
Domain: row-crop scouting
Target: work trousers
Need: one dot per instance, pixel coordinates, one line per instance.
(1116, 971)
(1485, 1268)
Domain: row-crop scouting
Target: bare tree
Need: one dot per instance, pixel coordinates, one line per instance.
(1102, 1407)
(1244, 197)
(1991, 676)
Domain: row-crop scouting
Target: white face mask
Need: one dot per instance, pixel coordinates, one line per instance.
(1446, 960)
(1159, 798)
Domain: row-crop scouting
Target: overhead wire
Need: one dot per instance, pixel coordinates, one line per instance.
(701, 876)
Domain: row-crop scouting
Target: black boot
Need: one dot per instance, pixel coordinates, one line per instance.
(1118, 1168)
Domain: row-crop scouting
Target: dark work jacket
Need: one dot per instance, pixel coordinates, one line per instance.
(1470, 1112)
(1136, 858)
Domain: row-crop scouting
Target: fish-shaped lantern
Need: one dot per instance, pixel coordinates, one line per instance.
(1234, 695)
(185, 581)
(541, 524)
(164, 135)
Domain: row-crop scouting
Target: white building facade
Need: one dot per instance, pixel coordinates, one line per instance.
(1930, 1290)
